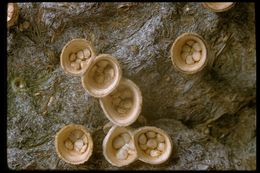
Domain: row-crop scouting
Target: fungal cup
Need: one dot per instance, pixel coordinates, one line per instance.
(102, 76)
(124, 104)
(189, 53)
(118, 146)
(74, 144)
(76, 57)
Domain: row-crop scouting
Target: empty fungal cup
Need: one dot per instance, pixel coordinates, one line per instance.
(118, 146)
(124, 104)
(74, 144)
(189, 53)
(218, 6)
(12, 14)
(153, 145)
(76, 56)
(102, 76)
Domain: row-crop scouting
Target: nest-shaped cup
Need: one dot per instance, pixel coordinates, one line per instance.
(178, 57)
(123, 106)
(76, 56)
(74, 144)
(118, 146)
(102, 76)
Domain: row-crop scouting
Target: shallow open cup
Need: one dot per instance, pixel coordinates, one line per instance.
(102, 76)
(179, 62)
(76, 56)
(124, 104)
(218, 6)
(153, 145)
(118, 146)
(74, 144)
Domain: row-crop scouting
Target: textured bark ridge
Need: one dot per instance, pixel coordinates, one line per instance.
(210, 116)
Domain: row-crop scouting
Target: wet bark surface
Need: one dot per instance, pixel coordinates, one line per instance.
(210, 116)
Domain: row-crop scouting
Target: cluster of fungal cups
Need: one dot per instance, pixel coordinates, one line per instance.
(101, 78)
(121, 101)
(123, 145)
(100, 75)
